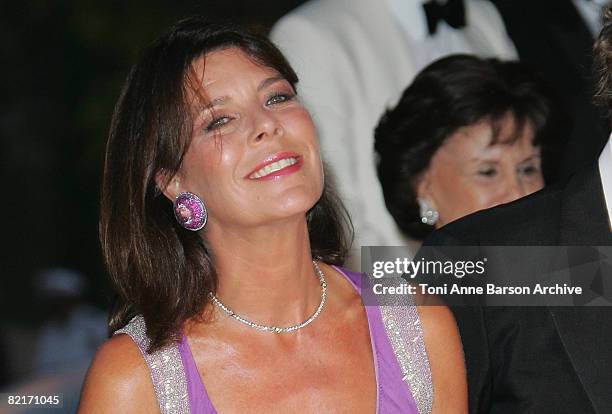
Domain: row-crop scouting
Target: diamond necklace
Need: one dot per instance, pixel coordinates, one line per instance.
(278, 329)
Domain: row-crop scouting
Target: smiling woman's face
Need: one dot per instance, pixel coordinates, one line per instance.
(467, 173)
(253, 157)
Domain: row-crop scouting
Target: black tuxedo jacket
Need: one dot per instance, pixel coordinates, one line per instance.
(539, 359)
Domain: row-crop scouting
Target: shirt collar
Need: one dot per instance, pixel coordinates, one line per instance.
(605, 172)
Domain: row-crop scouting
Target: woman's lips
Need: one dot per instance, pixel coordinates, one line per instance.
(278, 165)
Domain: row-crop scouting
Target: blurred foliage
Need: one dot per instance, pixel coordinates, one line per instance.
(63, 66)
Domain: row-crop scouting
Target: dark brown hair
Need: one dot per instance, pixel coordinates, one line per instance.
(602, 63)
(159, 269)
(454, 92)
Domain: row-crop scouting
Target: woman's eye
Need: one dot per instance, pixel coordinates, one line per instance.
(529, 170)
(217, 123)
(488, 172)
(279, 98)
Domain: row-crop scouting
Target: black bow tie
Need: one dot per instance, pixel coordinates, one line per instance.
(452, 12)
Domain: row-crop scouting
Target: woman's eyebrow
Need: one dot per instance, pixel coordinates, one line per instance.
(491, 160)
(269, 81)
(223, 99)
(215, 102)
(262, 85)
(202, 110)
(532, 156)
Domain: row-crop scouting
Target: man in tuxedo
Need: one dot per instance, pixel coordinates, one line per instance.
(543, 359)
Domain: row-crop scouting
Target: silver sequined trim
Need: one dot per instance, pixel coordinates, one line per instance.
(405, 333)
(166, 368)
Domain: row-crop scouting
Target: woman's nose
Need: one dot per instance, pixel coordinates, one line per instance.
(266, 126)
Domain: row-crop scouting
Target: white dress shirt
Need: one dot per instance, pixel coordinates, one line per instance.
(605, 171)
(354, 58)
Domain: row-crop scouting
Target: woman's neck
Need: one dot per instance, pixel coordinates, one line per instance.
(266, 273)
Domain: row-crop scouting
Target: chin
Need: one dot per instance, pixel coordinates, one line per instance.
(296, 207)
(296, 203)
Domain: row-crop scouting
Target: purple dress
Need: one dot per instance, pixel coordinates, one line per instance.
(396, 382)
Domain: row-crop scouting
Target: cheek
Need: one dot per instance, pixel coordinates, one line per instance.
(457, 195)
(468, 197)
(299, 122)
(534, 184)
(208, 165)
(483, 196)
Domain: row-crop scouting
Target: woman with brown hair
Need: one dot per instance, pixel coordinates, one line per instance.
(223, 241)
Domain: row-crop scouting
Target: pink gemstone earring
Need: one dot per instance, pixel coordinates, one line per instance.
(190, 211)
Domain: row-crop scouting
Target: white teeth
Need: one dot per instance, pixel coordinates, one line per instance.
(275, 166)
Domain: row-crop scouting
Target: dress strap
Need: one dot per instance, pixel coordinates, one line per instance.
(405, 332)
(166, 369)
(402, 324)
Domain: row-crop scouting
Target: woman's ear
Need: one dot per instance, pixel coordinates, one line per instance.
(422, 186)
(427, 201)
(167, 184)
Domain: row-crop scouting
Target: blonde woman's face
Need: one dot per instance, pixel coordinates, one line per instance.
(468, 174)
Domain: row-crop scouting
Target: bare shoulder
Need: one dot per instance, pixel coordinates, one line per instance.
(443, 345)
(339, 285)
(118, 380)
(438, 323)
